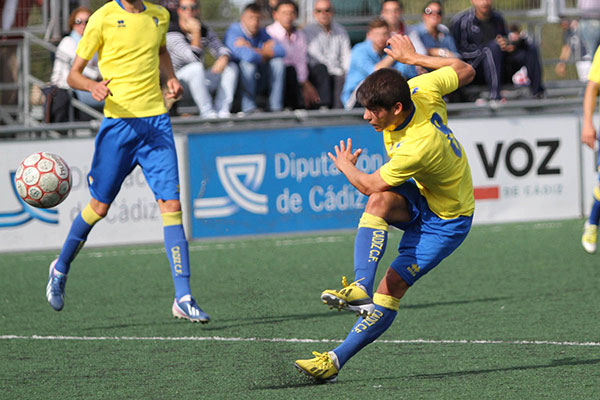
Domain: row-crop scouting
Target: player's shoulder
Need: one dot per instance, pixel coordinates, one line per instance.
(156, 8)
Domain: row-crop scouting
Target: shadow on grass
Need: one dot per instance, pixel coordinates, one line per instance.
(553, 364)
(454, 302)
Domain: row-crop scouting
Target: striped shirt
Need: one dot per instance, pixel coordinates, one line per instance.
(183, 53)
(330, 48)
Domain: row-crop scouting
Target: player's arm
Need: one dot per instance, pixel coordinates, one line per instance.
(402, 50)
(77, 80)
(166, 68)
(345, 160)
(588, 132)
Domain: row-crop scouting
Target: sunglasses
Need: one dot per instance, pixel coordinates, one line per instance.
(79, 21)
(322, 10)
(429, 11)
(190, 8)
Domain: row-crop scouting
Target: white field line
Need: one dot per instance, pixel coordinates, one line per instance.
(294, 340)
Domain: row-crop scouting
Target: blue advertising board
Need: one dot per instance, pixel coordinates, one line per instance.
(274, 181)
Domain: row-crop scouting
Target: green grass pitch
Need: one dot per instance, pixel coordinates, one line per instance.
(514, 313)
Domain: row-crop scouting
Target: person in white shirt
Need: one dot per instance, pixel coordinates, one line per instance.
(328, 47)
(65, 54)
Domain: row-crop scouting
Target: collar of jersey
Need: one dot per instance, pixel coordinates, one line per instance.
(121, 5)
(407, 120)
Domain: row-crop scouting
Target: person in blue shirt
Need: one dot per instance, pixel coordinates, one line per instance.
(256, 53)
(368, 56)
(434, 35)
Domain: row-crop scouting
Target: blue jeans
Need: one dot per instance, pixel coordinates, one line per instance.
(271, 76)
(200, 83)
(589, 30)
(86, 98)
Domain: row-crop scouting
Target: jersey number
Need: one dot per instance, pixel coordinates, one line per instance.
(437, 121)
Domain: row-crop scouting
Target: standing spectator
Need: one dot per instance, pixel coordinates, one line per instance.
(433, 34)
(298, 89)
(256, 53)
(136, 131)
(65, 54)
(589, 25)
(368, 56)
(392, 12)
(187, 39)
(480, 36)
(328, 54)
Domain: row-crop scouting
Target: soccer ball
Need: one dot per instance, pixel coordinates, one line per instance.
(43, 180)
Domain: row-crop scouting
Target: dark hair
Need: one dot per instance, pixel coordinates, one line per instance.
(383, 89)
(289, 2)
(439, 3)
(393, 1)
(252, 7)
(377, 23)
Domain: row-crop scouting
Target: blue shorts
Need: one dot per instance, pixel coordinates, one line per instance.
(124, 143)
(427, 239)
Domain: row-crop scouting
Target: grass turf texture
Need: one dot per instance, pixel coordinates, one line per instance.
(506, 283)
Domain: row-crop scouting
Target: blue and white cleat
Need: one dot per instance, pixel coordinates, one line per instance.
(55, 290)
(187, 308)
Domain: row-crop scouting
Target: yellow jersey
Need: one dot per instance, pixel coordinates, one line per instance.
(594, 74)
(425, 149)
(127, 45)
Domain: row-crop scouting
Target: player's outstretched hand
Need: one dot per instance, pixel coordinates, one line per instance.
(344, 156)
(100, 90)
(401, 49)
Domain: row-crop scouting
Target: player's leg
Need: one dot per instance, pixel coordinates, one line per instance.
(158, 159)
(382, 209)
(111, 163)
(590, 231)
(325, 366)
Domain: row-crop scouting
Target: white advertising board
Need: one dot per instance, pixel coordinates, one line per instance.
(133, 217)
(525, 168)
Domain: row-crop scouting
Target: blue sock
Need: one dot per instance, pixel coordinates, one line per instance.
(80, 228)
(176, 246)
(369, 247)
(365, 331)
(595, 214)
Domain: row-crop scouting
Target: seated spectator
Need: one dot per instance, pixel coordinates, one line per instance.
(589, 25)
(298, 92)
(328, 54)
(187, 40)
(65, 54)
(368, 56)
(480, 36)
(392, 12)
(256, 53)
(433, 34)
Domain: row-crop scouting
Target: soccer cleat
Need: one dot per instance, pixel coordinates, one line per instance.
(55, 290)
(187, 308)
(321, 368)
(352, 297)
(589, 237)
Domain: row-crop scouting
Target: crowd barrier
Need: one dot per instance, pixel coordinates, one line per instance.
(242, 182)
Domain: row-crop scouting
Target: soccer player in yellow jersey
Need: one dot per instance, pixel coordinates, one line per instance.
(589, 137)
(424, 189)
(130, 39)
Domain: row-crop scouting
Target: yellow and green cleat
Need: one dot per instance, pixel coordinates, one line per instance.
(353, 297)
(321, 368)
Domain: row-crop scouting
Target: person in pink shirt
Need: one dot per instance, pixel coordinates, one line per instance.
(299, 91)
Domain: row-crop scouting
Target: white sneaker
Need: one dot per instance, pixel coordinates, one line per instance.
(590, 237)
(224, 114)
(209, 115)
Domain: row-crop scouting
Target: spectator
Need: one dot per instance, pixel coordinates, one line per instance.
(433, 34)
(368, 56)
(480, 36)
(571, 47)
(392, 12)
(298, 89)
(589, 25)
(328, 54)
(187, 40)
(256, 53)
(65, 54)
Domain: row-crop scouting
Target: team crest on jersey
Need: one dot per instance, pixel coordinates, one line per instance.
(155, 19)
(120, 23)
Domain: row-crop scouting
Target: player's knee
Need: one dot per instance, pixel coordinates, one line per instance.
(392, 285)
(169, 206)
(99, 208)
(383, 204)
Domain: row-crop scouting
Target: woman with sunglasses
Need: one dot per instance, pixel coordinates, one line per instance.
(434, 35)
(65, 54)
